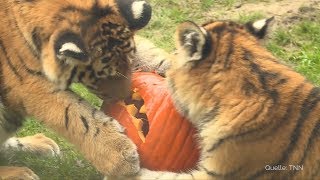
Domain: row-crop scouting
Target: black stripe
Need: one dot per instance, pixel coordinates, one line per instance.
(279, 124)
(73, 73)
(264, 77)
(34, 53)
(81, 75)
(247, 55)
(8, 60)
(97, 132)
(85, 123)
(249, 88)
(256, 115)
(100, 12)
(230, 52)
(93, 113)
(227, 175)
(66, 117)
(221, 141)
(314, 135)
(217, 144)
(210, 116)
(13, 120)
(4, 90)
(29, 70)
(36, 39)
(306, 108)
(219, 30)
(160, 64)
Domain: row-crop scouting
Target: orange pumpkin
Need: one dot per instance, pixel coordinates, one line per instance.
(170, 141)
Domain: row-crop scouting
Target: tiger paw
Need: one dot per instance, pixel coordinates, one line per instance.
(108, 148)
(130, 157)
(38, 144)
(120, 156)
(15, 173)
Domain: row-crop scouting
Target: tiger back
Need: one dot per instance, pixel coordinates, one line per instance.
(257, 118)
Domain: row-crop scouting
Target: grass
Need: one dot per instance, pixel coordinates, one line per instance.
(298, 45)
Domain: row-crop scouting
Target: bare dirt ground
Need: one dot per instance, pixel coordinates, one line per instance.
(286, 12)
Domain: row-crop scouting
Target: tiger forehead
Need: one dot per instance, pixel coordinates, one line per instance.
(95, 10)
(87, 17)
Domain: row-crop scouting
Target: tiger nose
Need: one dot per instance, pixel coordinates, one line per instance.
(136, 12)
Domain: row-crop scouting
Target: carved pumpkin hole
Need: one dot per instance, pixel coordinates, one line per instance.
(136, 108)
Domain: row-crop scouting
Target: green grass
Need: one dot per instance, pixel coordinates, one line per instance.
(69, 165)
(298, 45)
(244, 18)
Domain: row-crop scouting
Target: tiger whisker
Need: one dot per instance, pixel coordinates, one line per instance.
(122, 75)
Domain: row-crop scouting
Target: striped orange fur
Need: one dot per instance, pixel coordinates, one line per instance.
(45, 45)
(257, 118)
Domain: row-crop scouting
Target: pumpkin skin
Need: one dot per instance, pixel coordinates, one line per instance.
(170, 144)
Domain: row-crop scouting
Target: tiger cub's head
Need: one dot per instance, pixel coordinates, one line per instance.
(212, 63)
(82, 41)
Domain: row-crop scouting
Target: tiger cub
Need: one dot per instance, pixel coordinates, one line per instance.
(45, 45)
(257, 118)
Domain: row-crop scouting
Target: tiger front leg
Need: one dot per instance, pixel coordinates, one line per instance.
(13, 173)
(98, 137)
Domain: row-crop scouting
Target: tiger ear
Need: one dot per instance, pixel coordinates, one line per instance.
(192, 41)
(70, 48)
(136, 12)
(259, 28)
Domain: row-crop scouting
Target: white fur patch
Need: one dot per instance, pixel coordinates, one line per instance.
(258, 25)
(137, 9)
(188, 42)
(71, 47)
(203, 31)
(11, 143)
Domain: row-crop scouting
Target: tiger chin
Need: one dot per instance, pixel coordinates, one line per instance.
(257, 118)
(45, 45)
